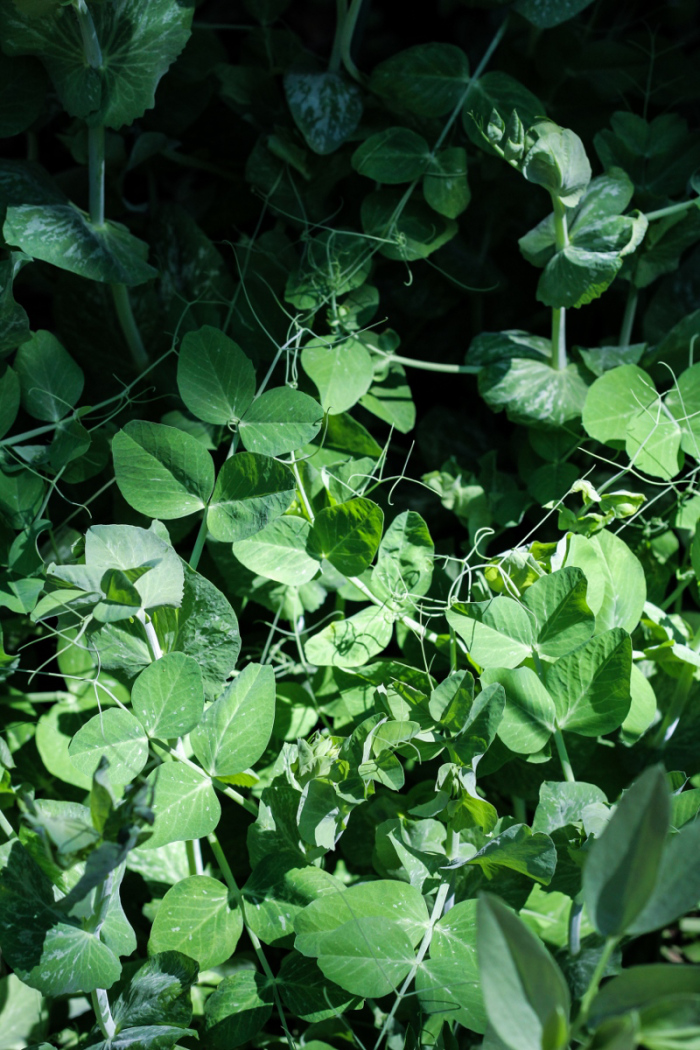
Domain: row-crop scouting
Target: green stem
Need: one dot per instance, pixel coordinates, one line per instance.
(199, 543)
(122, 303)
(675, 709)
(591, 991)
(151, 636)
(451, 842)
(348, 32)
(673, 209)
(96, 173)
(103, 1013)
(519, 810)
(561, 237)
(7, 827)
(341, 12)
(100, 999)
(575, 915)
(91, 43)
(194, 857)
(628, 319)
(426, 366)
(230, 881)
(564, 756)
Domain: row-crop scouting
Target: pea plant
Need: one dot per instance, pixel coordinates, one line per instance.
(350, 623)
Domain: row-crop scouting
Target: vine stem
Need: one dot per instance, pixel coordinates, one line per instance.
(440, 899)
(100, 998)
(591, 991)
(7, 827)
(199, 542)
(561, 236)
(230, 880)
(96, 171)
(349, 26)
(673, 209)
(130, 330)
(154, 644)
(564, 756)
(341, 11)
(575, 915)
(427, 366)
(628, 319)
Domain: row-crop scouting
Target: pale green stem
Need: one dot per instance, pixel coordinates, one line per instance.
(341, 11)
(628, 319)
(7, 827)
(592, 990)
(91, 43)
(100, 999)
(346, 36)
(673, 209)
(199, 542)
(451, 842)
(96, 170)
(426, 366)
(519, 811)
(564, 756)
(194, 857)
(440, 899)
(122, 304)
(152, 637)
(230, 881)
(575, 915)
(561, 236)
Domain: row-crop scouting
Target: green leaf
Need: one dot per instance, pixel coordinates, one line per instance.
(405, 559)
(21, 497)
(591, 687)
(449, 981)
(235, 729)
(525, 993)
(342, 371)
(352, 642)
(392, 156)
(563, 803)
(306, 993)
(9, 398)
(451, 700)
(250, 492)
(562, 617)
(623, 864)
(184, 802)
(168, 696)
(445, 185)
(409, 232)
(279, 552)
(161, 471)
(390, 399)
(676, 891)
(194, 917)
(683, 402)
(278, 889)
(237, 1010)
(428, 79)
(376, 900)
(504, 94)
(498, 633)
(131, 549)
(280, 420)
(530, 715)
(208, 631)
(616, 584)
(215, 378)
(614, 400)
(116, 735)
(367, 956)
(158, 993)
(50, 381)
(347, 535)
(576, 276)
(548, 13)
(520, 850)
(533, 391)
(640, 986)
(325, 107)
(139, 40)
(23, 1015)
(659, 155)
(46, 949)
(14, 323)
(22, 93)
(557, 161)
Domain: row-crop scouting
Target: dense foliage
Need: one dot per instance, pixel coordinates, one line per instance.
(349, 434)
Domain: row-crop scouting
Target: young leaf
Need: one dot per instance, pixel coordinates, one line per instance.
(348, 535)
(325, 107)
(194, 917)
(50, 381)
(562, 617)
(168, 696)
(591, 686)
(250, 492)
(526, 996)
(530, 715)
(235, 730)
(428, 79)
(405, 559)
(342, 371)
(279, 421)
(215, 378)
(279, 552)
(392, 156)
(184, 802)
(237, 1010)
(498, 633)
(557, 160)
(622, 866)
(116, 735)
(162, 472)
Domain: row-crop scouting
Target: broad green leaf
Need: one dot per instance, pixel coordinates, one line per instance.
(306, 993)
(194, 917)
(530, 715)
(334, 263)
(533, 391)
(563, 803)
(683, 402)
(653, 442)
(50, 381)
(411, 232)
(449, 981)
(591, 686)
(639, 986)
(63, 235)
(498, 633)
(139, 39)
(445, 185)
(392, 156)
(367, 956)
(184, 802)
(527, 999)
(129, 547)
(614, 400)
(557, 161)
(351, 642)
(342, 371)
(405, 559)
(14, 323)
(46, 949)
(548, 13)
(576, 276)
(520, 850)
(158, 993)
(21, 497)
(22, 93)
(347, 535)
(23, 1015)
(643, 707)
(390, 399)
(9, 398)
(277, 891)
(116, 735)
(208, 631)
(278, 551)
(325, 107)
(168, 696)
(237, 1010)
(562, 617)
(378, 899)
(676, 891)
(236, 729)
(622, 865)
(504, 94)
(250, 491)
(616, 584)
(659, 155)
(428, 79)
(280, 420)
(161, 471)
(215, 378)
